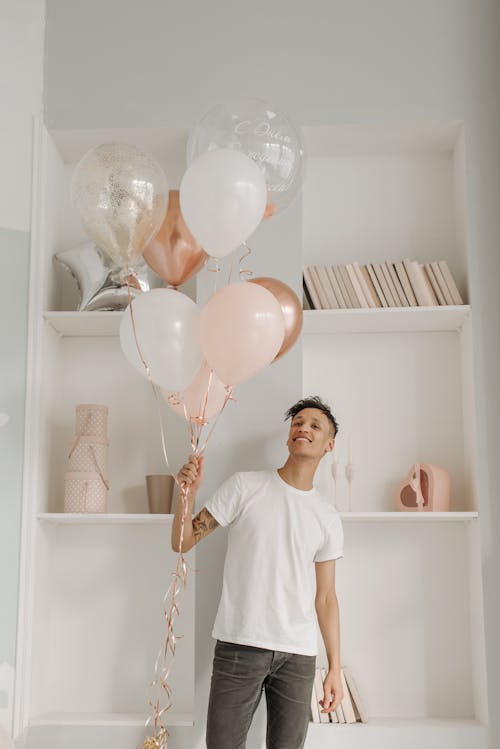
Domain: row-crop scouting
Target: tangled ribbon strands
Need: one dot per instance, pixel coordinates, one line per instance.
(166, 655)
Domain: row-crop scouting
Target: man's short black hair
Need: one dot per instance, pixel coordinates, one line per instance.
(313, 401)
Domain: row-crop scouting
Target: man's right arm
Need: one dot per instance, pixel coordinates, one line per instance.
(203, 523)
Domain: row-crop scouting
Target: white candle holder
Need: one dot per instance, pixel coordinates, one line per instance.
(349, 474)
(336, 473)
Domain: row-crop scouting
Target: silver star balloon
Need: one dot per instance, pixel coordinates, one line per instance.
(100, 282)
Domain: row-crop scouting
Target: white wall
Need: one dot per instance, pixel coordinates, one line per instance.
(123, 63)
(21, 75)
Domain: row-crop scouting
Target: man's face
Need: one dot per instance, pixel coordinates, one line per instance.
(311, 434)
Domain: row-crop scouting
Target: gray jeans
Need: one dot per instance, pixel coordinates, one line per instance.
(240, 674)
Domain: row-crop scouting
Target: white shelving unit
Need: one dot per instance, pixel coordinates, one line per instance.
(399, 381)
(400, 384)
(91, 619)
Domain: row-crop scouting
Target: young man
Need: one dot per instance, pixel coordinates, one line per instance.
(279, 572)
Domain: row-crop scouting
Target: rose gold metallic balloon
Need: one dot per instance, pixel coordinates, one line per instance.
(291, 308)
(174, 254)
(269, 211)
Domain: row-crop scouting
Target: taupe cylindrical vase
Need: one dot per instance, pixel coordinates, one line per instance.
(160, 489)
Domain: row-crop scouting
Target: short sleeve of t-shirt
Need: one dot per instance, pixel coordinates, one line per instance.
(224, 504)
(333, 545)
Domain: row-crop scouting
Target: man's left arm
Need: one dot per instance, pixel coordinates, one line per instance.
(327, 611)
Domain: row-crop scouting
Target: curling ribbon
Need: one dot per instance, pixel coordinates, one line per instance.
(164, 660)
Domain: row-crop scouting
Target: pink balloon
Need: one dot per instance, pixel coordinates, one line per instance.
(242, 328)
(191, 401)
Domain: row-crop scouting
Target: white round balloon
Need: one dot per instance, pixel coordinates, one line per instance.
(167, 331)
(223, 199)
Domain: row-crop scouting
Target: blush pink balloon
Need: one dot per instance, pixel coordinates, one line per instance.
(242, 328)
(193, 401)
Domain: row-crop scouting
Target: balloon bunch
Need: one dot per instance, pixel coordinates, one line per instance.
(245, 164)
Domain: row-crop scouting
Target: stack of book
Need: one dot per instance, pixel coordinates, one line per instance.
(349, 710)
(407, 283)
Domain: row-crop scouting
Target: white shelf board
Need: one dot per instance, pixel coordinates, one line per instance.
(107, 719)
(73, 518)
(409, 517)
(316, 322)
(394, 733)
(97, 323)
(104, 518)
(385, 320)
(405, 723)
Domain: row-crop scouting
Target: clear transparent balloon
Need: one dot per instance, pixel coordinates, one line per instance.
(268, 137)
(122, 196)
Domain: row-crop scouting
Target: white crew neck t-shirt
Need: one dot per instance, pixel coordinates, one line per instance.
(276, 533)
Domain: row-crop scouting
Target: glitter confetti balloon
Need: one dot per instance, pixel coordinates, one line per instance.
(121, 194)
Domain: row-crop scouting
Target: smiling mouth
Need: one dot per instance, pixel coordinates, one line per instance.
(301, 439)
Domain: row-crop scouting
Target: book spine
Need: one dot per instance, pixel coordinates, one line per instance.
(355, 695)
(325, 282)
(390, 284)
(371, 288)
(405, 283)
(433, 282)
(450, 282)
(378, 288)
(383, 284)
(347, 705)
(362, 302)
(319, 287)
(416, 282)
(430, 291)
(307, 302)
(353, 299)
(364, 286)
(308, 279)
(431, 300)
(397, 284)
(335, 286)
(438, 274)
(340, 279)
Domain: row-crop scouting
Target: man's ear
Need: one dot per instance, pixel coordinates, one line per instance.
(331, 444)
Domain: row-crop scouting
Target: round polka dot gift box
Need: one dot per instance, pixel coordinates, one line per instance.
(92, 420)
(84, 492)
(89, 454)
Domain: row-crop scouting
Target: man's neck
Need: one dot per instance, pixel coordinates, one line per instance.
(299, 474)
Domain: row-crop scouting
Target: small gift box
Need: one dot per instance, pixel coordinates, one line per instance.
(92, 420)
(89, 454)
(84, 492)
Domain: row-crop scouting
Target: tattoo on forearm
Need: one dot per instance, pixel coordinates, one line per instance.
(203, 524)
